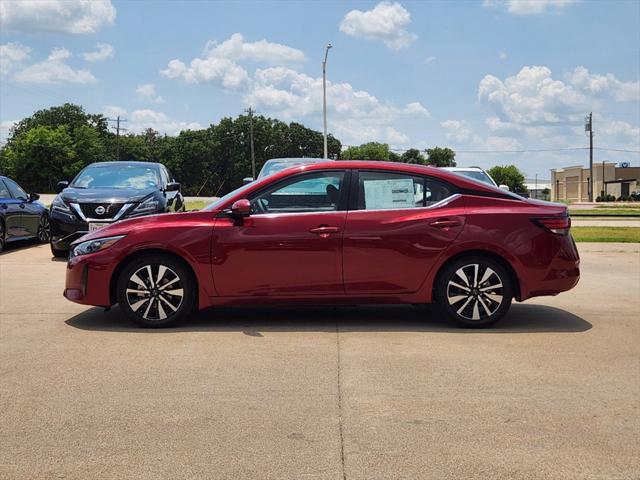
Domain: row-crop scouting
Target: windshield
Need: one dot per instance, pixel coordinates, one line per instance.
(475, 175)
(117, 176)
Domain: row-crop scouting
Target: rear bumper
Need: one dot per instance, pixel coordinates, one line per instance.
(561, 274)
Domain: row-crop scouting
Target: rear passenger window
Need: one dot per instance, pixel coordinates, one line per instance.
(386, 191)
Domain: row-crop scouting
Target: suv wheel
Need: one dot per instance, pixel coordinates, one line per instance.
(156, 291)
(474, 291)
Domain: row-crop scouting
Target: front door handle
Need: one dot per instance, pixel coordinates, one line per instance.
(445, 223)
(324, 230)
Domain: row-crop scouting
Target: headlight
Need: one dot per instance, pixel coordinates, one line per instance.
(92, 246)
(149, 205)
(58, 205)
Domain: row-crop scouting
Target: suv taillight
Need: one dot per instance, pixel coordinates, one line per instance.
(557, 225)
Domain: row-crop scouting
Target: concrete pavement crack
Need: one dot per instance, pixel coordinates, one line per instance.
(340, 423)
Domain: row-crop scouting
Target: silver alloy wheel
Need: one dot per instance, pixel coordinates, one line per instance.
(475, 292)
(44, 229)
(1, 236)
(154, 292)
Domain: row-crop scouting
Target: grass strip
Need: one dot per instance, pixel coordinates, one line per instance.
(606, 234)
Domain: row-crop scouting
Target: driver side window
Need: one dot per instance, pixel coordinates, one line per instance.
(315, 192)
(16, 191)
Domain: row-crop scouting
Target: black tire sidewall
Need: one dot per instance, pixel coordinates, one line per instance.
(59, 253)
(188, 284)
(449, 271)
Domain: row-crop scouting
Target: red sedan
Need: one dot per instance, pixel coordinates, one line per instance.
(334, 232)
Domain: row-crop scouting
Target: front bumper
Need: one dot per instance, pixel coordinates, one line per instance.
(88, 281)
(65, 229)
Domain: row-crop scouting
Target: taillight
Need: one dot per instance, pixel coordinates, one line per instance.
(557, 225)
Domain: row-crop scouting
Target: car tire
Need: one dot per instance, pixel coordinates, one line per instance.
(59, 253)
(474, 291)
(156, 291)
(44, 229)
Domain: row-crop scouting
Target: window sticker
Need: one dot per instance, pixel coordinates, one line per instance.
(387, 194)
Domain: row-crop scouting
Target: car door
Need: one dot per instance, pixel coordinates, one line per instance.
(30, 215)
(19, 226)
(291, 244)
(11, 212)
(396, 228)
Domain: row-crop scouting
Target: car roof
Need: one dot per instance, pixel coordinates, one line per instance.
(410, 168)
(463, 169)
(125, 163)
(298, 160)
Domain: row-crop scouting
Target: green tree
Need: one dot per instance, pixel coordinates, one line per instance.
(413, 155)
(367, 151)
(441, 157)
(41, 156)
(509, 175)
(67, 115)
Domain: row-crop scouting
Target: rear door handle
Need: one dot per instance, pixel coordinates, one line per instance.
(324, 230)
(445, 223)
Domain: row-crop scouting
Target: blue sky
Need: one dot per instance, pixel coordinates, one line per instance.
(487, 78)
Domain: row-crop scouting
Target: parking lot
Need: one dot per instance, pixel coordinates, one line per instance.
(386, 392)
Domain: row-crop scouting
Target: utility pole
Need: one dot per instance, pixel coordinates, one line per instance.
(588, 127)
(604, 185)
(250, 111)
(536, 187)
(324, 98)
(118, 120)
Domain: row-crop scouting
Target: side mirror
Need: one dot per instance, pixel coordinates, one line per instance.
(241, 208)
(33, 197)
(247, 180)
(505, 187)
(61, 186)
(172, 187)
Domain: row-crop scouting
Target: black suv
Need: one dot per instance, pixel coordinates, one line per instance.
(106, 192)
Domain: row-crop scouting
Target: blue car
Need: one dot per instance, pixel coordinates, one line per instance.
(21, 215)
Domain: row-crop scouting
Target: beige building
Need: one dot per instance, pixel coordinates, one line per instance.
(572, 183)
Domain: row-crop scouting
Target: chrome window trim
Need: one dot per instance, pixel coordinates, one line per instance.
(438, 204)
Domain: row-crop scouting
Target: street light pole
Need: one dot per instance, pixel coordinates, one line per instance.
(324, 97)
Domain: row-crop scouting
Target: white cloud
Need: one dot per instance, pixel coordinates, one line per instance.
(103, 51)
(386, 22)
(140, 120)
(147, 93)
(219, 65)
(459, 131)
(502, 55)
(533, 97)
(600, 85)
(236, 48)
(355, 116)
(415, 108)
(12, 54)
(430, 60)
(112, 111)
(529, 7)
(59, 16)
(5, 129)
(54, 70)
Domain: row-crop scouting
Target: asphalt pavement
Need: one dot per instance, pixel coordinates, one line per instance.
(376, 392)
